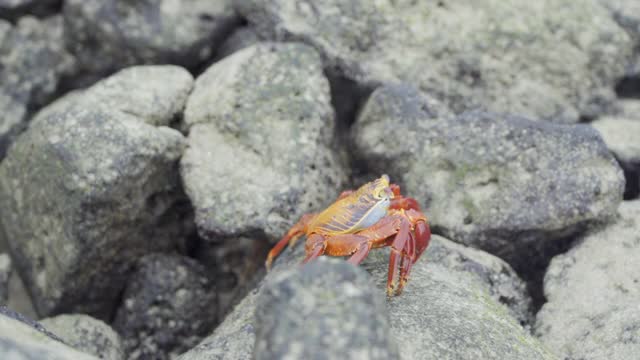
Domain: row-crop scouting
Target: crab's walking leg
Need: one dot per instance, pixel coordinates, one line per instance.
(397, 248)
(291, 237)
(407, 262)
(314, 247)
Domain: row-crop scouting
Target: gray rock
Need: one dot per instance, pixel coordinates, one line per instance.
(259, 152)
(627, 14)
(324, 310)
(109, 35)
(13, 9)
(540, 59)
(86, 334)
(266, 107)
(9, 313)
(19, 299)
(519, 186)
(5, 275)
(168, 306)
(593, 309)
(448, 310)
(88, 189)
(20, 341)
(12, 122)
(621, 133)
(241, 38)
(33, 62)
(159, 98)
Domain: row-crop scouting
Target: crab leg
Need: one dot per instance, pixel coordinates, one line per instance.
(315, 246)
(408, 259)
(291, 237)
(397, 247)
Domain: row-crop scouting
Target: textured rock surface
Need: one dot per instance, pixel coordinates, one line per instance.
(449, 309)
(21, 341)
(86, 334)
(168, 306)
(621, 133)
(88, 189)
(108, 35)
(542, 59)
(518, 186)
(593, 292)
(5, 275)
(33, 62)
(326, 310)
(627, 14)
(259, 153)
(8, 313)
(266, 107)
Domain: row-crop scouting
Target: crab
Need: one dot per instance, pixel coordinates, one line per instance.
(373, 216)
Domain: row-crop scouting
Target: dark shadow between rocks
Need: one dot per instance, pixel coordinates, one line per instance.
(632, 177)
(38, 8)
(533, 271)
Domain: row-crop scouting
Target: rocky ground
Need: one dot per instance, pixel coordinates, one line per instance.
(152, 152)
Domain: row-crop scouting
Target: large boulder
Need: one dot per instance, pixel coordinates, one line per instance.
(86, 334)
(92, 186)
(498, 182)
(458, 304)
(593, 308)
(169, 304)
(33, 63)
(325, 310)
(109, 35)
(260, 152)
(541, 59)
(266, 107)
(21, 339)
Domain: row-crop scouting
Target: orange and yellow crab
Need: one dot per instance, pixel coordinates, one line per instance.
(375, 215)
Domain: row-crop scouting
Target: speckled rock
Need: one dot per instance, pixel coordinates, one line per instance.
(5, 275)
(449, 309)
(108, 35)
(266, 106)
(89, 189)
(13, 9)
(627, 14)
(550, 59)
(168, 306)
(593, 308)
(33, 61)
(259, 150)
(519, 186)
(86, 334)
(325, 310)
(24, 340)
(12, 122)
(621, 133)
